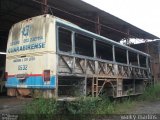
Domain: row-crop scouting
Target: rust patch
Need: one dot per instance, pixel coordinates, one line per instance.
(24, 92)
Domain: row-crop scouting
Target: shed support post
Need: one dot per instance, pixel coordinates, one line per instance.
(44, 7)
(127, 35)
(98, 26)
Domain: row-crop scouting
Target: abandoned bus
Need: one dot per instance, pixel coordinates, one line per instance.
(55, 58)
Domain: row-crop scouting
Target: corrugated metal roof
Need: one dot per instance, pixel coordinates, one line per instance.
(12, 11)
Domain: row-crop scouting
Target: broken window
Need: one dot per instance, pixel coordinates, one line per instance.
(83, 45)
(133, 58)
(142, 60)
(70, 86)
(120, 55)
(104, 51)
(65, 41)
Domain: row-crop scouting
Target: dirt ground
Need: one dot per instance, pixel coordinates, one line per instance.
(146, 108)
(12, 105)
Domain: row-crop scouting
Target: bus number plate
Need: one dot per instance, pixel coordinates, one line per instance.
(22, 67)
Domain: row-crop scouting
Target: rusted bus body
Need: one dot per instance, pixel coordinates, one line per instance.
(66, 61)
(101, 65)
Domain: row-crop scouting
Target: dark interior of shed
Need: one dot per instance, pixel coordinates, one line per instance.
(78, 12)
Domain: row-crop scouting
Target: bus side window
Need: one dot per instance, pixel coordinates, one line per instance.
(120, 55)
(83, 45)
(142, 60)
(65, 42)
(133, 58)
(104, 51)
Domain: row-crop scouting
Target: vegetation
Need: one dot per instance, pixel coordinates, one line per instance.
(42, 106)
(89, 105)
(84, 105)
(151, 93)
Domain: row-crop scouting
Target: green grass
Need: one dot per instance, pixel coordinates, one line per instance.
(89, 105)
(125, 106)
(40, 107)
(84, 105)
(151, 93)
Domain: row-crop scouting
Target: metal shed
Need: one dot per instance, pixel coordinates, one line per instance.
(76, 11)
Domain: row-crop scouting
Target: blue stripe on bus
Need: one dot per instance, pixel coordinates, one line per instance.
(30, 82)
